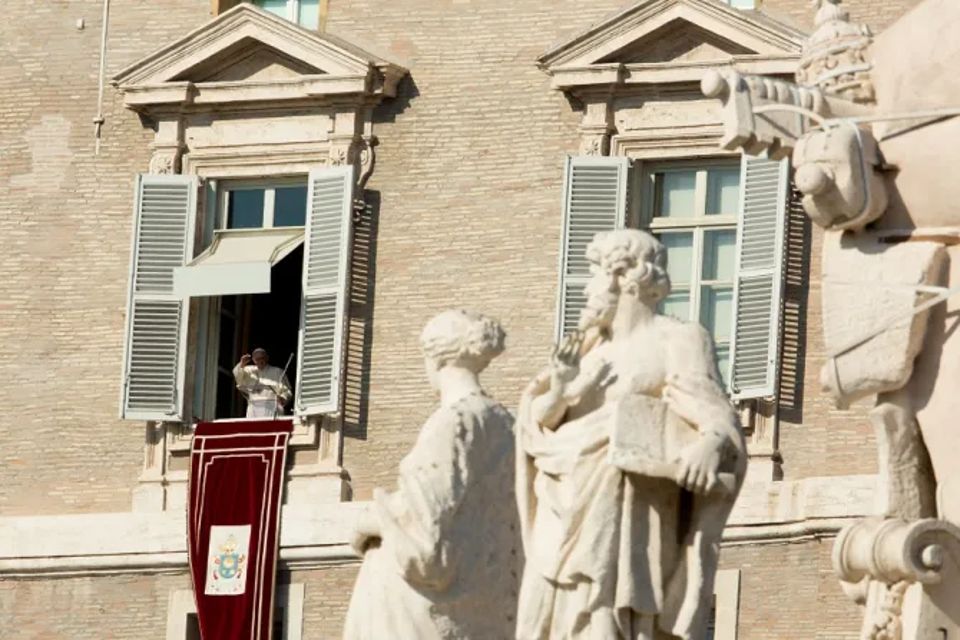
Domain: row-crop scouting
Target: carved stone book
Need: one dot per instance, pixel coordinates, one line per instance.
(646, 438)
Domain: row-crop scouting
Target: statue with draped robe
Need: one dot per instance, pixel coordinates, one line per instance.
(629, 457)
(441, 554)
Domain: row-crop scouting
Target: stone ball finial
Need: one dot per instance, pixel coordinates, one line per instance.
(714, 85)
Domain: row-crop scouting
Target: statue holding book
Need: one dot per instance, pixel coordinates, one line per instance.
(629, 458)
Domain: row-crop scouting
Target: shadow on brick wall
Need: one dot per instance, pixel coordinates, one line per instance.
(389, 109)
(795, 293)
(359, 334)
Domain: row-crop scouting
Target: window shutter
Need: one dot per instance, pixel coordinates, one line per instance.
(325, 270)
(594, 200)
(154, 355)
(764, 187)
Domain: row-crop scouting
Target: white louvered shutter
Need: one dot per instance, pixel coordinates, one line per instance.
(594, 200)
(761, 228)
(325, 270)
(154, 355)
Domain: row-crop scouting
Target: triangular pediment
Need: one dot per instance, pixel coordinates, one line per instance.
(247, 45)
(678, 41)
(251, 60)
(675, 32)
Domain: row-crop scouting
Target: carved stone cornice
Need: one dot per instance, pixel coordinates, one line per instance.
(187, 73)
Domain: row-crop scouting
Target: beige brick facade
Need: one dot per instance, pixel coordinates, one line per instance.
(465, 212)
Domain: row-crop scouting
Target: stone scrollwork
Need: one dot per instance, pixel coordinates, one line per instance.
(901, 561)
(366, 159)
(885, 269)
(165, 161)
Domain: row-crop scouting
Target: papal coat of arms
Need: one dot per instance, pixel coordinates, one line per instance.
(227, 560)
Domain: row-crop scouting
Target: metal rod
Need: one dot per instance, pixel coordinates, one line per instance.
(283, 375)
(98, 120)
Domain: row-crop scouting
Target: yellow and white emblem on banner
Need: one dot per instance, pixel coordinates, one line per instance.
(227, 560)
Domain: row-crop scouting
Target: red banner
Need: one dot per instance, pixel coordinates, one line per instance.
(236, 482)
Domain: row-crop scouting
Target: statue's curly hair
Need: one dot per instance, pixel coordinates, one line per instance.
(636, 256)
(465, 338)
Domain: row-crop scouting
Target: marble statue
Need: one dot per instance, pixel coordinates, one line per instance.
(629, 457)
(874, 157)
(441, 553)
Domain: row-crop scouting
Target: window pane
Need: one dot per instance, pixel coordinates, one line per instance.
(723, 361)
(679, 256)
(676, 196)
(310, 14)
(677, 304)
(278, 7)
(290, 207)
(246, 209)
(719, 254)
(716, 311)
(723, 191)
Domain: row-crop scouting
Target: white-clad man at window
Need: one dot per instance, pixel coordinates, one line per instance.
(265, 387)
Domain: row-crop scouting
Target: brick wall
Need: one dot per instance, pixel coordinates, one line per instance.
(127, 607)
(788, 591)
(65, 220)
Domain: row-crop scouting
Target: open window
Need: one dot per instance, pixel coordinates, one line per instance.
(271, 273)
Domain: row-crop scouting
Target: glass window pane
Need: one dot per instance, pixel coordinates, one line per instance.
(723, 191)
(677, 304)
(290, 207)
(679, 256)
(246, 209)
(278, 7)
(723, 361)
(309, 14)
(719, 254)
(716, 311)
(676, 194)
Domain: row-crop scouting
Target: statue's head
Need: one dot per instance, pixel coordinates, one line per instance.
(625, 262)
(461, 339)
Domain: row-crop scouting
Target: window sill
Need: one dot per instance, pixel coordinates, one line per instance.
(305, 433)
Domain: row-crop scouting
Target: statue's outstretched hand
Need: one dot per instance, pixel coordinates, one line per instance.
(565, 360)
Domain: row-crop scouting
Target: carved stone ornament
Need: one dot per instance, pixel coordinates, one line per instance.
(622, 421)
(910, 572)
(165, 162)
(835, 55)
(440, 554)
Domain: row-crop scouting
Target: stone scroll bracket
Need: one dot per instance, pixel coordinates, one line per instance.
(905, 574)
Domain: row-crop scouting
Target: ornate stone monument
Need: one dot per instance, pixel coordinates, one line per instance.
(629, 457)
(441, 553)
(871, 126)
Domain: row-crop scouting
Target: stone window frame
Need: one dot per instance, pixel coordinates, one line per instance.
(700, 143)
(172, 92)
